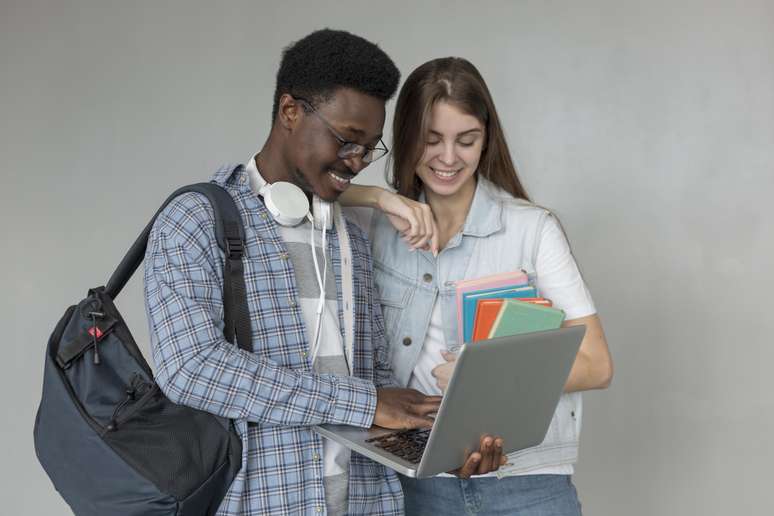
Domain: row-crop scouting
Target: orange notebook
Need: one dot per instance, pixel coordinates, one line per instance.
(487, 311)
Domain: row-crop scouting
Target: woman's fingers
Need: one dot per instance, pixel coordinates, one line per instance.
(448, 355)
(420, 230)
(435, 238)
(414, 220)
(429, 236)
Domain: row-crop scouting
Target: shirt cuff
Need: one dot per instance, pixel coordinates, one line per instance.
(354, 403)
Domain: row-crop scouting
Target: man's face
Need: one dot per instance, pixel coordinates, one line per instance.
(312, 147)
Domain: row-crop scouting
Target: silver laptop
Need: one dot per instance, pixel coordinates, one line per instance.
(508, 387)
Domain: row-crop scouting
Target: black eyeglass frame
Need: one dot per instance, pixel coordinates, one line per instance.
(348, 149)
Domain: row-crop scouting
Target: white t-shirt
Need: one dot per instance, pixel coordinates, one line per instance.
(422, 378)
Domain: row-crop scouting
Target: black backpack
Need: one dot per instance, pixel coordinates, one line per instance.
(111, 442)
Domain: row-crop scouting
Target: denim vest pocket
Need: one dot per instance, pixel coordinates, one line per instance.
(392, 293)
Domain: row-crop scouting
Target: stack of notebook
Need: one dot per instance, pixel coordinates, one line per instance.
(500, 305)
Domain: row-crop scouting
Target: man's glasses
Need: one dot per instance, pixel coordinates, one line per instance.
(347, 149)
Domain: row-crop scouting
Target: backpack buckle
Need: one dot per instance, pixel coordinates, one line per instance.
(234, 248)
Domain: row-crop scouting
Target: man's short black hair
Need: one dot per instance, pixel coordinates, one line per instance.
(325, 60)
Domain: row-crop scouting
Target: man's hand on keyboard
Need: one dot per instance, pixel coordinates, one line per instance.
(488, 458)
(405, 408)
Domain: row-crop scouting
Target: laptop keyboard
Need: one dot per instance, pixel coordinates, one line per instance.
(408, 444)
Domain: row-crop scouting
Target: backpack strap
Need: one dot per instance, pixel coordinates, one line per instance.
(230, 236)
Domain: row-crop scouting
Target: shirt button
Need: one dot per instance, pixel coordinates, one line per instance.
(243, 179)
(318, 509)
(263, 215)
(303, 354)
(292, 302)
(427, 277)
(407, 341)
(316, 456)
(283, 255)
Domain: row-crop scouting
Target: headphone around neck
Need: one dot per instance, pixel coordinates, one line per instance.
(287, 203)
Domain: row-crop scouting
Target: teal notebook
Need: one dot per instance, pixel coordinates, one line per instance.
(517, 317)
(469, 300)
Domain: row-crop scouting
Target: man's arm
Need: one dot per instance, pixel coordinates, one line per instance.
(197, 367)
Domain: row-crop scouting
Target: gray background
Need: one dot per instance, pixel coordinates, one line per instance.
(649, 128)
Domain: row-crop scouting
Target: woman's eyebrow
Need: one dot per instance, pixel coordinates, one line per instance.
(463, 133)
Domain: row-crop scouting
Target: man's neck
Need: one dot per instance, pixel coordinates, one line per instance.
(272, 164)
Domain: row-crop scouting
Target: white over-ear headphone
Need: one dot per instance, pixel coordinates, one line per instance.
(287, 203)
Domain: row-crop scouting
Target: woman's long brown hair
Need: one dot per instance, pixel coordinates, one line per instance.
(458, 82)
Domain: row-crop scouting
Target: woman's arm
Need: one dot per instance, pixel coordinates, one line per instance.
(560, 280)
(360, 195)
(593, 367)
(412, 219)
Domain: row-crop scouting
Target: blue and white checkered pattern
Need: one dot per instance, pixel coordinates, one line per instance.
(274, 388)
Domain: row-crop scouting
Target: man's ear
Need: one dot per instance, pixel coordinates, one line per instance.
(289, 112)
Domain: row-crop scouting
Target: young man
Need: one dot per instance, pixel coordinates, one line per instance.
(317, 358)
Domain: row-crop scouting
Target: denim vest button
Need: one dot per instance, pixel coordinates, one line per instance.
(427, 277)
(407, 341)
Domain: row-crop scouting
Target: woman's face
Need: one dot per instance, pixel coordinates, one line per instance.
(453, 149)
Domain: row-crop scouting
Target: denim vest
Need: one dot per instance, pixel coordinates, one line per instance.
(501, 234)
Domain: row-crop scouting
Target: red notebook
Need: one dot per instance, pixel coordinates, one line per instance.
(487, 311)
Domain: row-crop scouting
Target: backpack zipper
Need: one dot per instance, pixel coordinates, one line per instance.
(95, 334)
(138, 393)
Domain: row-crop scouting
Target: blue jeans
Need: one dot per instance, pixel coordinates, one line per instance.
(528, 495)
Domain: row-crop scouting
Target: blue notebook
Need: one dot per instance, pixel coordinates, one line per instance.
(469, 303)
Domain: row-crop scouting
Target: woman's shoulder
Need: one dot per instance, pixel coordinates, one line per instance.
(515, 207)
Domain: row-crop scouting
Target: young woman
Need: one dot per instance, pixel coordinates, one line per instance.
(463, 212)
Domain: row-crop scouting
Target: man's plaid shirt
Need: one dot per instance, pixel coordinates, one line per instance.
(272, 394)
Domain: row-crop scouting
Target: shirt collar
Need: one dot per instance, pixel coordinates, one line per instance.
(485, 214)
(256, 179)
